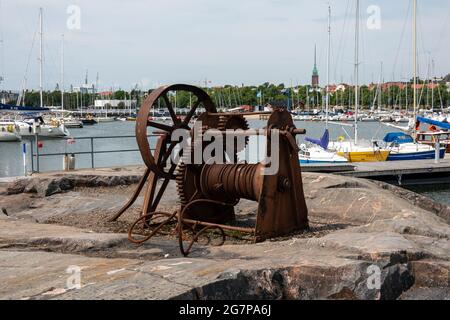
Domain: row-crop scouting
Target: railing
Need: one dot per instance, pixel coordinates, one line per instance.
(92, 152)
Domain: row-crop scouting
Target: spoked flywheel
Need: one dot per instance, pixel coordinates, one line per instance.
(159, 95)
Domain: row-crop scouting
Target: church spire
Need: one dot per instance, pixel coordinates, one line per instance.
(315, 75)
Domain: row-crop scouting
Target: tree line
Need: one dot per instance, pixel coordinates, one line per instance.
(299, 97)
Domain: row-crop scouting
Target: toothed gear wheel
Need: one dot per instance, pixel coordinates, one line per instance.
(188, 175)
(234, 122)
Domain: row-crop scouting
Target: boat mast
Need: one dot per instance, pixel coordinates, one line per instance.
(41, 57)
(327, 100)
(2, 56)
(433, 81)
(62, 73)
(356, 70)
(380, 89)
(415, 63)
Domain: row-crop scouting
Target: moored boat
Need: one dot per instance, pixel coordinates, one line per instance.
(360, 152)
(105, 119)
(89, 120)
(54, 129)
(72, 122)
(318, 151)
(317, 155)
(9, 132)
(403, 147)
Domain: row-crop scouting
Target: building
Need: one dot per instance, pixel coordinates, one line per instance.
(84, 89)
(315, 74)
(8, 97)
(114, 103)
(333, 88)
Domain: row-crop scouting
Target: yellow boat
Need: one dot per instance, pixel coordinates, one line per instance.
(366, 156)
(359, 153)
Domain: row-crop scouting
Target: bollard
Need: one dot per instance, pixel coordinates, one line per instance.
(69, 162)
(437, 152)
(24, 156)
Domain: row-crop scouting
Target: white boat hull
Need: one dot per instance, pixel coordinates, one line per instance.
(26, 130)
(9, 137)
(319, 155)
(9, 133)
(105, 119)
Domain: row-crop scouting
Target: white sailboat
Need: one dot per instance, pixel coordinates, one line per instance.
(403, 146)
(9, 132)
(54, 128)
(358, 151)
(318, 151)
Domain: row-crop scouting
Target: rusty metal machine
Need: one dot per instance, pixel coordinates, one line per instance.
(208, 192)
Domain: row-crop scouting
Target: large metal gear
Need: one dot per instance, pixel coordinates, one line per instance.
(234, 122)
(187, 171)
(210, 190)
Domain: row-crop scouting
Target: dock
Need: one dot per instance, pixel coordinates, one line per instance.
(396, 172)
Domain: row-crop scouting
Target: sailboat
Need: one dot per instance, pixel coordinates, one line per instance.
(318, 151)
(402, 145)
(24, 126)
(9, 132)
(356, 151)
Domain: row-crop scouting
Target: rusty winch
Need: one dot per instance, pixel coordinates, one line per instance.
(209, 191)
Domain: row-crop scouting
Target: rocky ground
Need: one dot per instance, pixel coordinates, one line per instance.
(367, 241)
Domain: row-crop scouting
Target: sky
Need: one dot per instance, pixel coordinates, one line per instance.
(154, 42)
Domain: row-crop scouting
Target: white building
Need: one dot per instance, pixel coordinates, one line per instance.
(85, 89)
(114, 103)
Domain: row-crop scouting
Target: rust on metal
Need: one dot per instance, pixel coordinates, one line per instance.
(208, 191)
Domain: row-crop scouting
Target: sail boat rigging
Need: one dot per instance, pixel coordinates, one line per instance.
(354, 151)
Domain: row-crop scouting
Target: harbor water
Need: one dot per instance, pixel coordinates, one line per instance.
(11, 155)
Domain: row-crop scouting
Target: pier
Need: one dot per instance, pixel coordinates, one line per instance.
(395, 172)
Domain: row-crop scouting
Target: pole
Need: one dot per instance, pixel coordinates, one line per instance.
(415, 64)
(92, 153)
(356, 70)
(432, 85)
(62, 73)
(41, 58)
(437, 151)
(24, 155)
(327, 99)
(37, 151)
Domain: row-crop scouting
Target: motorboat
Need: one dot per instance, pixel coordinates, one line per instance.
(72, 122)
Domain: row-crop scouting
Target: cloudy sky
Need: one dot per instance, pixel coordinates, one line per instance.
(151, 42)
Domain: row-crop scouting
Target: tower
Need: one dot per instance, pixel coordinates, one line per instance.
(315, 74)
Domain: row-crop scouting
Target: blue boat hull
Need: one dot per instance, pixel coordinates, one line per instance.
(415, 156)
(323, 162)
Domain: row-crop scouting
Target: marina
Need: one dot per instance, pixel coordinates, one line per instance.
(195, 156)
